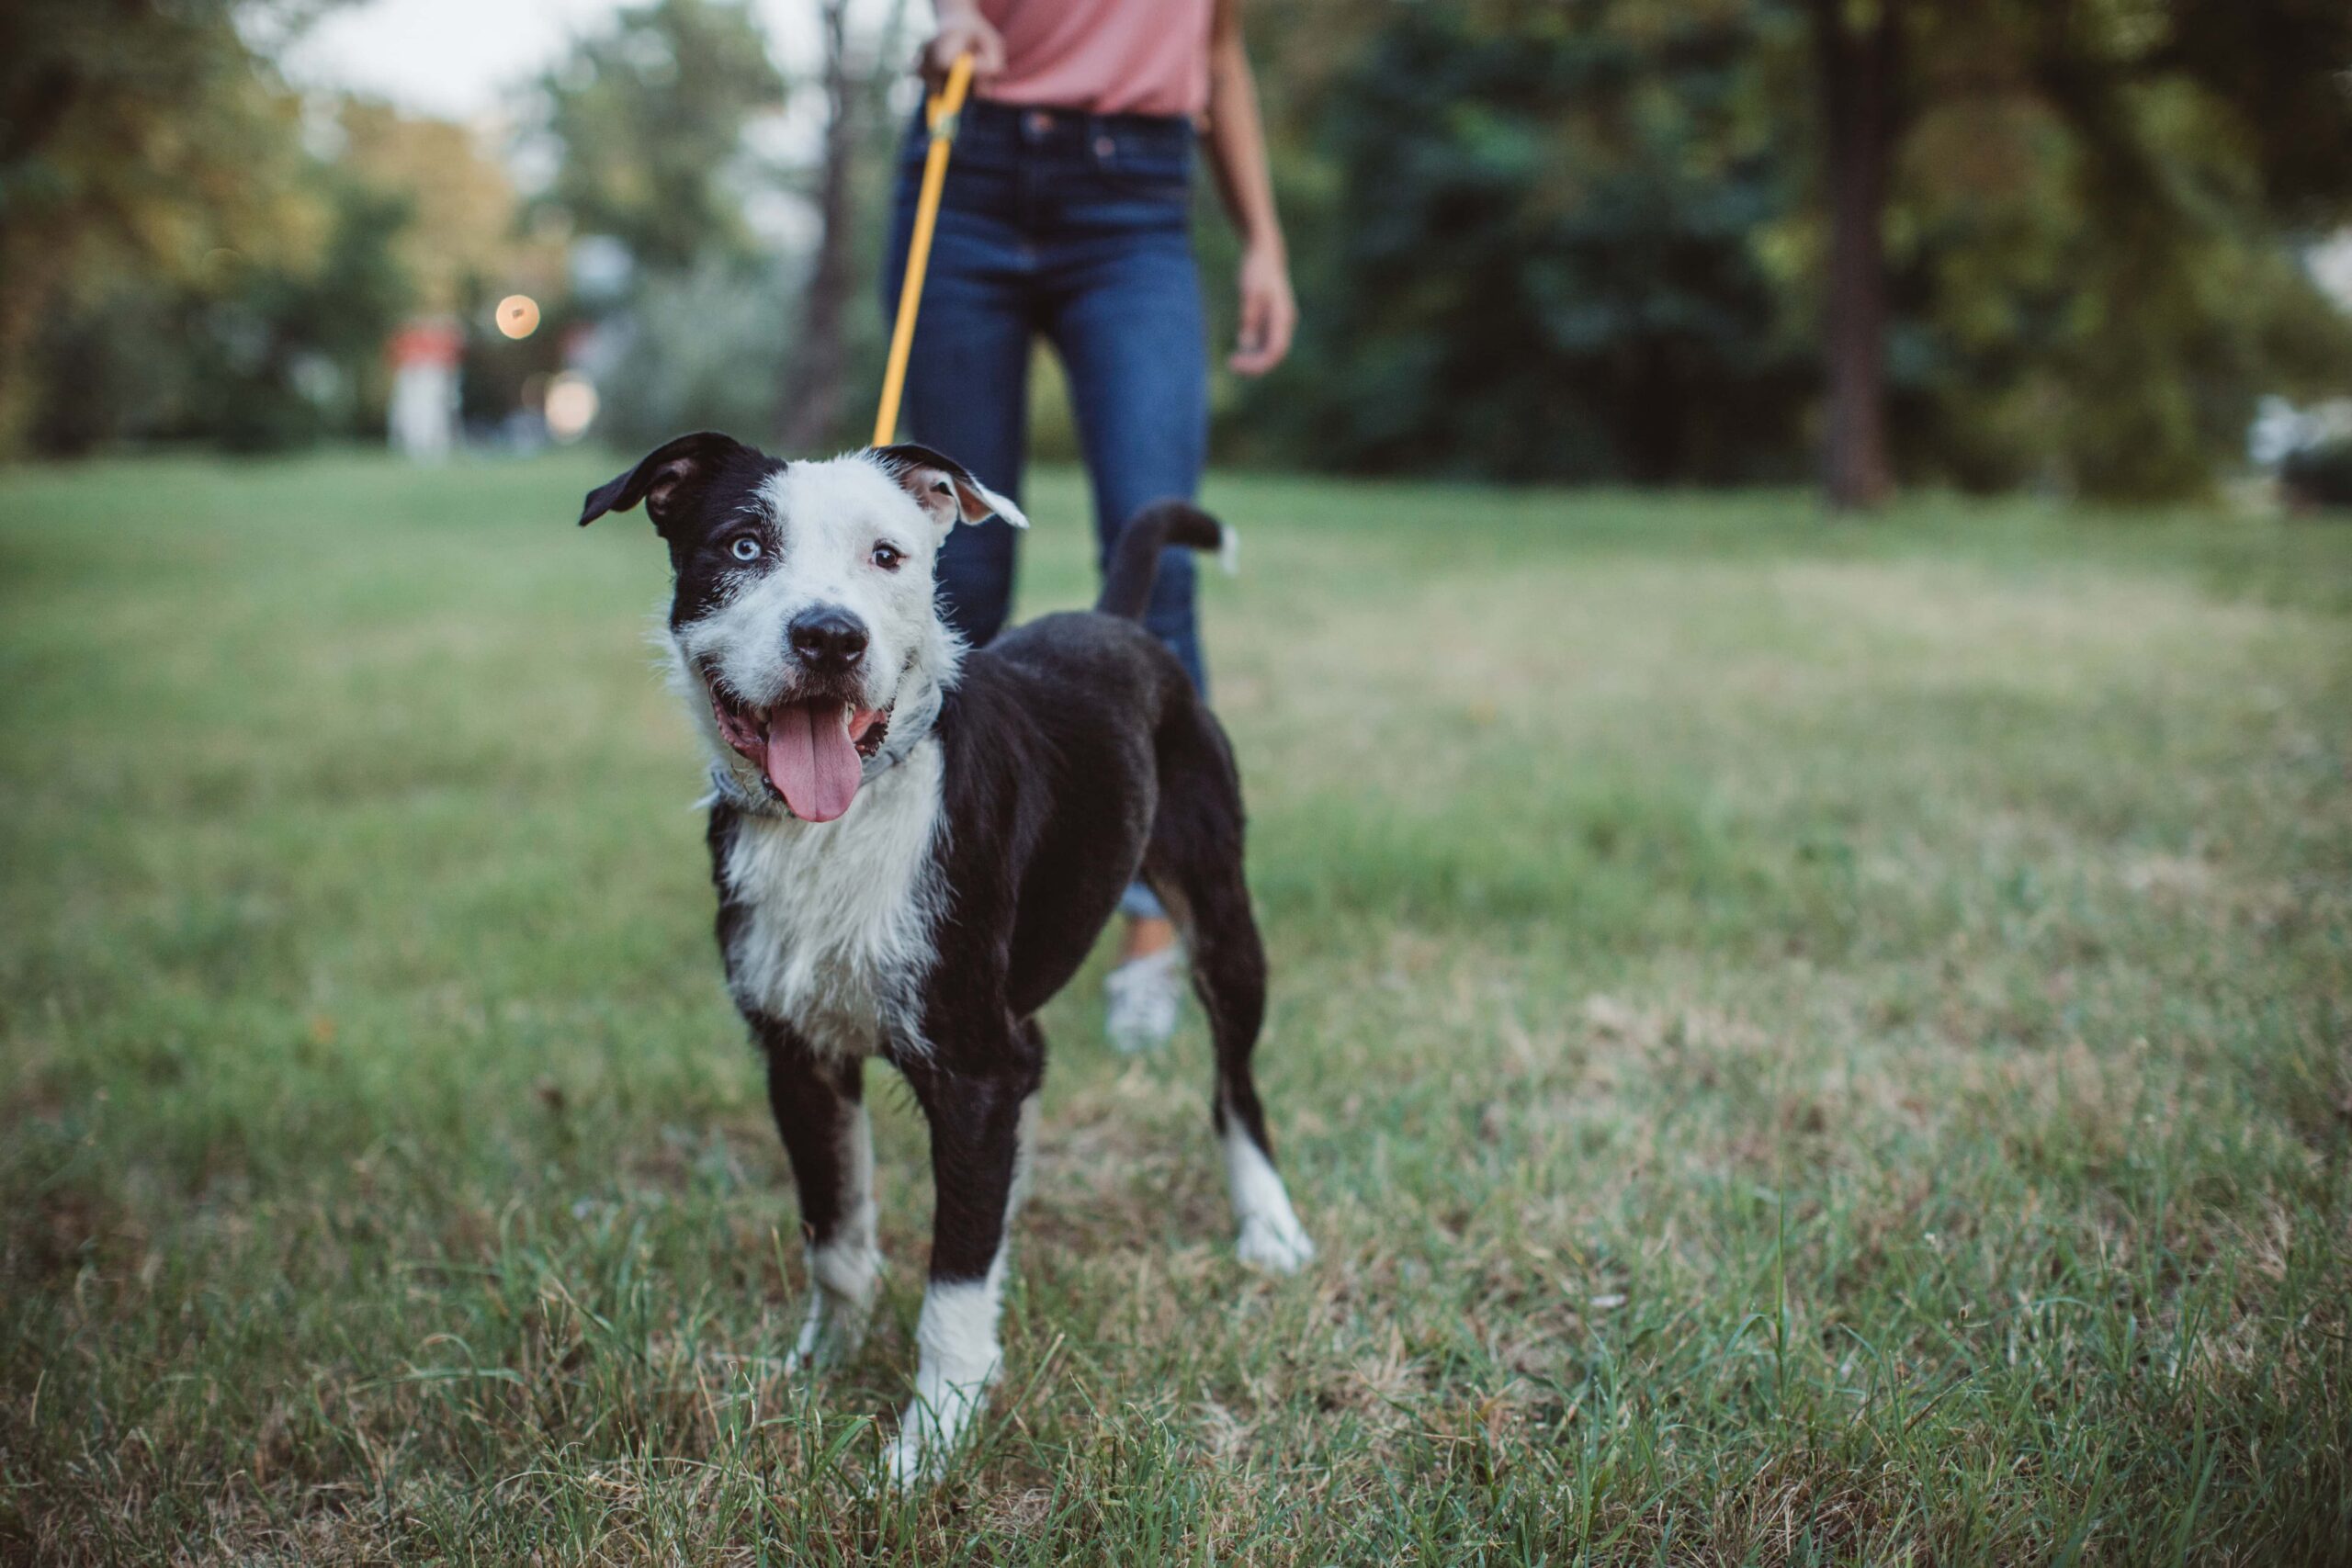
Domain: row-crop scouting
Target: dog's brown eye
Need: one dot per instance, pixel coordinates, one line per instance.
(886, 557)
(745, 547)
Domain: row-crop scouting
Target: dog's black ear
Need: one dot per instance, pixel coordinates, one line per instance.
(667, 480)
(942, 487)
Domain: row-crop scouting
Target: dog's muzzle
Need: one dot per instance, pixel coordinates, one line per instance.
(811, 749)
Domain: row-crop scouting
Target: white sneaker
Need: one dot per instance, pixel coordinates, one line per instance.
(1141, 999)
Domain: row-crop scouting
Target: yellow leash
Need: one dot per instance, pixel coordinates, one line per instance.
(939, 115)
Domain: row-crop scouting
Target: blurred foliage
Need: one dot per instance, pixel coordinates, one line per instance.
(648, 119)
(1534, 239)
(648, 116)
(702, 353)
(463, 240)
(1552, 262)
(253, 353)
(188, 252)
(138, 137)
(193, 252)
(282, 354)
(1582, 238)
(2094, 218)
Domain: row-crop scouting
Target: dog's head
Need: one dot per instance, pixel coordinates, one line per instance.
(802, 616)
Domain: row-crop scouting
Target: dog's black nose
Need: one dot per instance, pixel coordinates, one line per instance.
(827, 639)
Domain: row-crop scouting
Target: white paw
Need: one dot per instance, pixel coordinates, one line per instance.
(831, 1336)
(821, 1350)
(1273, 1243)
(909, 1462)
(930, 1432)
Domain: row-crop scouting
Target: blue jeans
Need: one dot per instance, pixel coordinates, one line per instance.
(1077, 226)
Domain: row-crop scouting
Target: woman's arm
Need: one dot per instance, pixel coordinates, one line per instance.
(1237, 139)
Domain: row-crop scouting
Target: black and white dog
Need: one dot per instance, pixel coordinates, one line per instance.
(915, 846)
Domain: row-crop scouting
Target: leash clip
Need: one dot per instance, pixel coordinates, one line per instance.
(943, 109)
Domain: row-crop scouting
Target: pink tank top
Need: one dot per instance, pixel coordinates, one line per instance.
(1103, 56)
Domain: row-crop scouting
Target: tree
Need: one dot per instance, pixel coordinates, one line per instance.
(252, 350)
(464, 238)
(848, 193)
(2098, 206)
(813, 369)
(649, 120)
(1546, 259)
(282, 353)
(1857, 47)
(136, 135)
(2010, 241)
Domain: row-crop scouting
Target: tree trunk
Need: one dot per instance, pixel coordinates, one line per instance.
(813, 373)
(1857, 67)
(33, 270)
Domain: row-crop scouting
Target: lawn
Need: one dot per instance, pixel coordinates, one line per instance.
(1799, 1041)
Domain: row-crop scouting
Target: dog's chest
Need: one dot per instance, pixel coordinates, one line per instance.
(835, 920)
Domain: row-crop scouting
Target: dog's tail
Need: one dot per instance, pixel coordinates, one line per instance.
(1135, 560)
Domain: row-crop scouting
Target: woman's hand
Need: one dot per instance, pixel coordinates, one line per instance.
(962, 29)
(1268, 311)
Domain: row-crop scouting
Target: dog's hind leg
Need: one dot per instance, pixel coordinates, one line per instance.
(981, 1127)
(819, 1107)
(1194, 863)
(1229, 976)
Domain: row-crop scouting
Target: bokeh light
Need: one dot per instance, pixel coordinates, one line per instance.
(518, 315)
(570, 407)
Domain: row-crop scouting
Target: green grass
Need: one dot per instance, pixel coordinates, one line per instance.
(1800, 1043)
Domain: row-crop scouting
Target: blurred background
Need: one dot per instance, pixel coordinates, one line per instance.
(1802, 1037)
(2097, 250)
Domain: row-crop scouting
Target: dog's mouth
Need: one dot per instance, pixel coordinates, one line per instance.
(812, 750)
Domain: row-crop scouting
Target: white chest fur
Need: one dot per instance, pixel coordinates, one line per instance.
(840, 914)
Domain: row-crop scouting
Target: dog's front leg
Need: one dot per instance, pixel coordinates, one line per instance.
(981, 1125)
(819, 1107)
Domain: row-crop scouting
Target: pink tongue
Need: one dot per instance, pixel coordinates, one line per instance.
(811, 761)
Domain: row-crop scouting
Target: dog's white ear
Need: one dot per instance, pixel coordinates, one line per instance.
(942, 487)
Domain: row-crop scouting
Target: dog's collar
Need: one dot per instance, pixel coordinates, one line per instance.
(726, 791)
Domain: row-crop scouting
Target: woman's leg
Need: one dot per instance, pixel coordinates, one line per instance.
(967, 376)
(1129, 325)
(1132, 342)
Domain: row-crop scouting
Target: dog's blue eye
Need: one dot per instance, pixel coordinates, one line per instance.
(745, 549)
